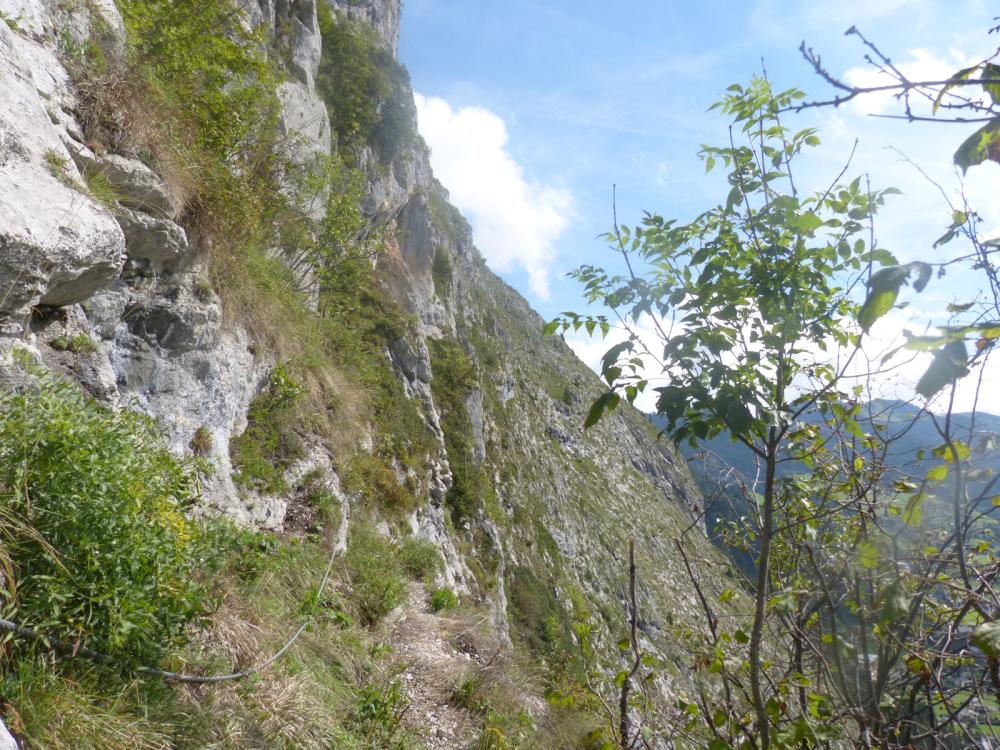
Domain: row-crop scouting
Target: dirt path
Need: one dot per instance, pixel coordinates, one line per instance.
(422, 641)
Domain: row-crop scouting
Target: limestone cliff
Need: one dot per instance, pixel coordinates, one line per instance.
(531, 513)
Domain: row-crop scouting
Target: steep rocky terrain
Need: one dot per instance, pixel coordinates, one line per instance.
(481, 431)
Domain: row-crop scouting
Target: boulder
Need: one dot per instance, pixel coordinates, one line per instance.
(57, 245)
(138, 186)
(149, 238)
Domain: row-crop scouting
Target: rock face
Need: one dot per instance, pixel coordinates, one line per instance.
(381, 15)
(57, 245)
(556, 506)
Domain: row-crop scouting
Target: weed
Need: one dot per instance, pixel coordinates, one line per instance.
(443, 599)
(270, 443)
(106, 493)
(375, 573)
(81, 343)
(378, 717)
(201, 442)
(99, 187)
(420, 558)
(58, 166)
(91, 710)
(465, 694)
(375, 479)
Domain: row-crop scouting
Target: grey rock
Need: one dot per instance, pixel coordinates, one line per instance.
(7, 741)
(381, 15)
(57, 246)
(149, 238)
(305, 40)
(304, 120)
(138, 186)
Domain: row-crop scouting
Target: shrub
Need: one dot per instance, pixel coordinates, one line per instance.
(376, 576)
(120, 567)
(75, 344)
(366, 89)
(202, 62)
(454, 378)
(376, 481)
(270, 443)
(420, 558)
(441, 271)
(443, 599)
(378, 717)
(201, 441)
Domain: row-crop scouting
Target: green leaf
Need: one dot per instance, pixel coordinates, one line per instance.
(982, 145)
(948, 451)
(895, 602)
(883, 289)
(993, 89)
(987, 638)
(962, 75)
(611, 355)
(807, 222)
(868, 555)
(738, 417)
(938, 473)
(913, 511)
(550, 327)
(606, 402)
(948, 365)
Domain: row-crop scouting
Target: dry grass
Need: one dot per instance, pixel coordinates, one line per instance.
(300, 702)
(61, 713)
(120, 113)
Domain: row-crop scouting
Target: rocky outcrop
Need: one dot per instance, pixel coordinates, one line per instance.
(57, 244)
(557, 505)
(381, 15)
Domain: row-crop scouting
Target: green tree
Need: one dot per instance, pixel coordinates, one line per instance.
(106, 556)
(760, 308)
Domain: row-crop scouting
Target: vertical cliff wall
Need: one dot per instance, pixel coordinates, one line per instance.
(531, 513)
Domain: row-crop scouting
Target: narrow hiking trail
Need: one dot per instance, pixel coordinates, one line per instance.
(423, 643)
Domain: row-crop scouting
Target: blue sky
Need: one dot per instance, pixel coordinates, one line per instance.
(534, 109)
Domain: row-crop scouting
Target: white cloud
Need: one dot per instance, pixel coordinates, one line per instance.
(516, 221)
(923, 65)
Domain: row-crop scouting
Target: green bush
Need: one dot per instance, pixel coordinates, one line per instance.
(120, 565)
(201, 61)
(270, 443)
(420, 558)
(441, 271)
(375, 572)
(376, 481)
(454, 378)
(366, 89)
(443, 599)
(75, 344)
(378, 717)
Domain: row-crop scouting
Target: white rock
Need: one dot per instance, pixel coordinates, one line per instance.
(305, 120)
(57, 246)
(138, 186)
(7, 741)
(149, 238)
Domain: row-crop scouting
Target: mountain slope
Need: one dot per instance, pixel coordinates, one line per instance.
(403, 410)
